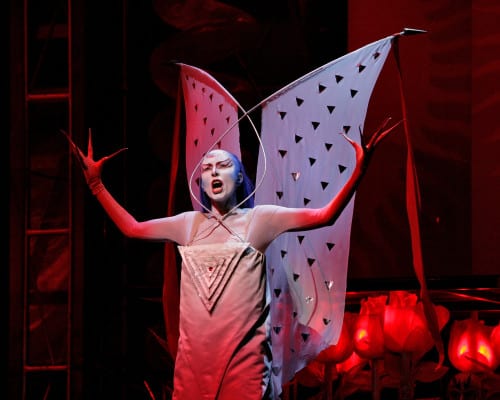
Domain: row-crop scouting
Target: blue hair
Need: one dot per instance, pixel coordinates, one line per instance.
(244, 189)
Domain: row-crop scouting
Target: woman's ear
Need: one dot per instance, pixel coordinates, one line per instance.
(239, 180)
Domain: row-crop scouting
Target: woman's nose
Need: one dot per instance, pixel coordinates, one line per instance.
(214, 170)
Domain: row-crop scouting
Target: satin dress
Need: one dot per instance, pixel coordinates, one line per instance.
(223, 348)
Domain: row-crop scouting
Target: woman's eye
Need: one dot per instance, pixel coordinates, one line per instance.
(225, 164)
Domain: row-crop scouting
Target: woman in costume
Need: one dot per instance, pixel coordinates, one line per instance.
(224, 347)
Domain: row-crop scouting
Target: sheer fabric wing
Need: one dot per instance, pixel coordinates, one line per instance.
(211, 121)
(308, 161)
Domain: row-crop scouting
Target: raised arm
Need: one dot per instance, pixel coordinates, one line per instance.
(168, 228)
(294, 219)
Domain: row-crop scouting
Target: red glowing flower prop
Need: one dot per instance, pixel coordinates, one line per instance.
(368, 336)
(405, 325)
(470, 348)
(495, 341)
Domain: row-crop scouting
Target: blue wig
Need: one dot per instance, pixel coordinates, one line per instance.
(244, 189)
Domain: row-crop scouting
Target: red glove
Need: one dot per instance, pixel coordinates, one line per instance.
(91, 169)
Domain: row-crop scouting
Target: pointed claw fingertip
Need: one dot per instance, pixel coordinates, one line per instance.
(90, 149)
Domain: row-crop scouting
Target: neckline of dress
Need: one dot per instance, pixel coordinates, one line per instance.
(220, 221)
(221, 218)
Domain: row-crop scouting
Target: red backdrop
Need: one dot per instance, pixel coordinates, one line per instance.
(450, 86)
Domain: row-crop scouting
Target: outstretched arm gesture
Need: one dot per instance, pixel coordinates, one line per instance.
(168, 228)
(311, 218)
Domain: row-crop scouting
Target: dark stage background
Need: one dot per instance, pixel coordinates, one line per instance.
(253, 48)
(279, 44)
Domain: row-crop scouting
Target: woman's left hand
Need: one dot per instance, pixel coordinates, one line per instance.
(365, 150)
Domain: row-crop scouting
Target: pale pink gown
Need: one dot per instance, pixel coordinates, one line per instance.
(223, 349)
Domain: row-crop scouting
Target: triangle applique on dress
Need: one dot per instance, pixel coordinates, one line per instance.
(210, 266)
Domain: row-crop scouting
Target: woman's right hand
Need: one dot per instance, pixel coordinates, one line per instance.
(92, 169)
